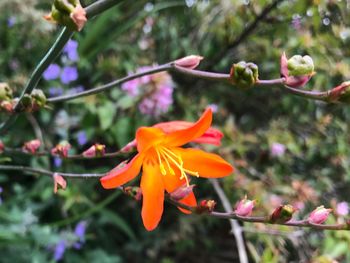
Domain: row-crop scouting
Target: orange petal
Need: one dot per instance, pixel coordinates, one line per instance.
(181, 137)
(147, 137)
(210, 136)
(152, 196)
(208, 165)
(189, 200)
(119, 176)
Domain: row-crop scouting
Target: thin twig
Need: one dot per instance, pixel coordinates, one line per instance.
(8, 150)
(31, 170)
(235, 227)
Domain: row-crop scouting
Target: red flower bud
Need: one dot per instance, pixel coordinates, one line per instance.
(319, 215)
(245, 207)
(32, 146)
(181, 192)
(61, 149)
(189, 62)
(282, 214)
(95, 150)
(59, 181)
(206, 206)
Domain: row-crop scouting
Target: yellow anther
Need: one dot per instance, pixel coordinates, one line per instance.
(162, 169)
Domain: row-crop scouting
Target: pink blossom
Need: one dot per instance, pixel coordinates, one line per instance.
(32, 146)
(277, 149)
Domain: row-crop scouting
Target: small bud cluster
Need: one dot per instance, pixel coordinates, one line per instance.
(244, 75)
(68, 13)
(61, 149)
(29, 103)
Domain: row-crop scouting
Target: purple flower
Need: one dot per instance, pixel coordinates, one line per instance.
(342, 209)
(158, 102)
(214, 107)
(60, 248)
(52, 72)
(55, 91)
(11, 21)
(277, 149)
(57, 162)
(79, 232)
(131, 87)
(71, 50)
(82, 138)
(69, 74)
(296, 22)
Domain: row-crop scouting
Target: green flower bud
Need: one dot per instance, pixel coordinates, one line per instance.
(38, 97)
(244, 75)
(5, 92)
(300, 66)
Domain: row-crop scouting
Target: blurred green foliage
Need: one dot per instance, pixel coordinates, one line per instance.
(312, 169)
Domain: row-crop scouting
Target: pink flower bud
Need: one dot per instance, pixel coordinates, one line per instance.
(59, 181)
(32, 146)
(189, 62)
(181, 192)
(95, 150)
(61, 149)
(7, 106)
(127, 148)
(2, 147)
(245, 207)
(79, 17)
(319, 215)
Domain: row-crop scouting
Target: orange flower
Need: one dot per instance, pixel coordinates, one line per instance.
(166, 166)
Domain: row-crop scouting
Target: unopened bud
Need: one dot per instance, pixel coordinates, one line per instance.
(133, 191)
(319, 215)
(340, 93)
(68, 13)
(297, 71)
(32, 146)
(282, 214)
(39, 98)
(61, 149)
(181, 192)
(206, 206)
(244, 75)
(95, 150)
(59, 182)
(7, 106)
(189, 62)
(245, 207)
(300, 66)
(5, 91)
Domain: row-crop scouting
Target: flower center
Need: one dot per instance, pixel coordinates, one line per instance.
(165, 155)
